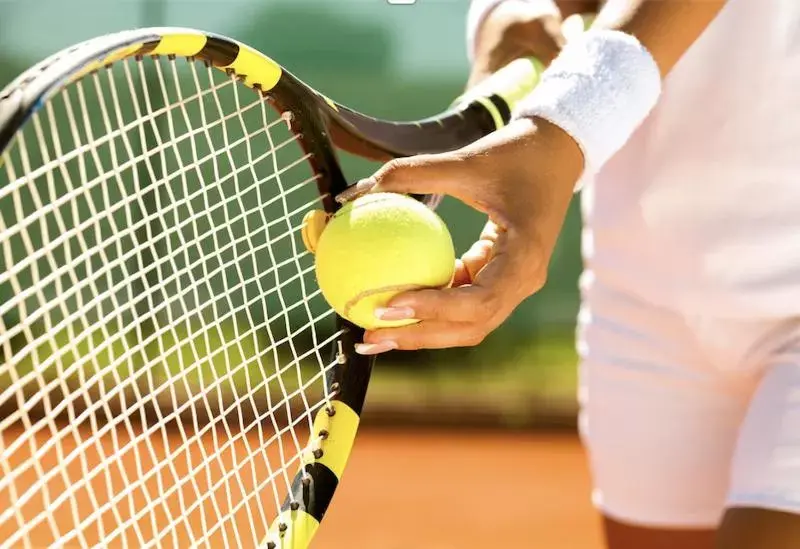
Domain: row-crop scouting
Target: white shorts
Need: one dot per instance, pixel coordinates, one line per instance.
(685, 416)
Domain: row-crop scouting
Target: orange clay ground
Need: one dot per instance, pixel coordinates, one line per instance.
(432, 490)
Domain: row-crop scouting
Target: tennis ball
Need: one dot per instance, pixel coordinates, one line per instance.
(377, 246)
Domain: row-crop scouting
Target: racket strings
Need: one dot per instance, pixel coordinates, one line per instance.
(222, 249)
(165, 347)
(20, 227)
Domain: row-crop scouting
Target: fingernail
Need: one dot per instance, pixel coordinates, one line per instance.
(351, 193)
(375, 348)
(394, 313)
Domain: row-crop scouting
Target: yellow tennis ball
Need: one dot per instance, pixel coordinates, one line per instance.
(377, 246)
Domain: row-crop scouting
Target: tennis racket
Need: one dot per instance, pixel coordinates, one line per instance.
(170, 374)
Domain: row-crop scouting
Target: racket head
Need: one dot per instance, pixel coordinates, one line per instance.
(33, 193)
(49, 195)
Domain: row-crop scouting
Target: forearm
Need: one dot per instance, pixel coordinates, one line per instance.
(532, 27)
(665, 28)
(604, 83)
(600, 88)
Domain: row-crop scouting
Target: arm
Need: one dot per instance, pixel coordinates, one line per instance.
(666, 29)
(523, 176)
(502, 30)
(604, 83)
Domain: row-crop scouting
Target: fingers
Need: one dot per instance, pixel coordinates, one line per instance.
(422, 174)
(460, 304)
(351, 193)
(461, 276)
(482, 251)
(500, 274)
(500, 176)
(476, 258)
(458, 317)
(517, 268)
(457, 174)
(488, 175)
(430, 335)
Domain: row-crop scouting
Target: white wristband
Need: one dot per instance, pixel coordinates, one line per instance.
(599, 89)
(479, 10)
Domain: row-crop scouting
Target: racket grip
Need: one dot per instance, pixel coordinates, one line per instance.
(511, 83)
(517, 79)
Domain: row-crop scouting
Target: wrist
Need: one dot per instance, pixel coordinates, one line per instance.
(598, 90)
(560, 157)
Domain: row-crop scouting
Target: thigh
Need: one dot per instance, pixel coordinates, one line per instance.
(659, 425)
(756, 528)
(620, 535)
(764, 498)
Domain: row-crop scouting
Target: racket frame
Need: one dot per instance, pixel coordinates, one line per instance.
(321, 125)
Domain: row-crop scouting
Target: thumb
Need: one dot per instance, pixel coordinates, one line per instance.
(426, 174)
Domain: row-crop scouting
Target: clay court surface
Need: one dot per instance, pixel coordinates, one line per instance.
(402, 489)
(434, 490)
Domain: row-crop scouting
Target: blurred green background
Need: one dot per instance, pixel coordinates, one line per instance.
(392, 61)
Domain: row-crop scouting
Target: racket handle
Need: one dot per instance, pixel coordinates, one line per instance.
(517, 79)
(511, 83)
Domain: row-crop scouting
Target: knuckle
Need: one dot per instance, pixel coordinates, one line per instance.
(389, 171)
(475, 338)
(406, 345)
(409, 342)
(459, 156)
(428, 305)
(537, 280)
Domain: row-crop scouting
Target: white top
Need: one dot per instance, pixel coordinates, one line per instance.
(700, 210)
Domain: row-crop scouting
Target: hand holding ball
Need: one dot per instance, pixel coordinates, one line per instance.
(375, 247)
